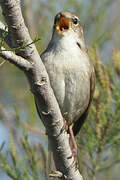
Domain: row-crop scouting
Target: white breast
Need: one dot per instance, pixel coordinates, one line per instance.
(69, 72)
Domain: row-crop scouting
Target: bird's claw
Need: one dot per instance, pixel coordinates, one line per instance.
(65, 126)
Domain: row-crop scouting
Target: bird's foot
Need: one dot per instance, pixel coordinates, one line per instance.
(65, 126)
(74, 145)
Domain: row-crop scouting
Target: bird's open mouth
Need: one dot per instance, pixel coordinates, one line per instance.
(63, 24)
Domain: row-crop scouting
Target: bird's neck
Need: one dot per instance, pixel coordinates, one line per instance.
(63, 43)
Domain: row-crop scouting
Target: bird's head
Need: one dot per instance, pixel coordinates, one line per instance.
(67, 22)
(67, 26)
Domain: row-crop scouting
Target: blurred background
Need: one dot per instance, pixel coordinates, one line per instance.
(23, 144)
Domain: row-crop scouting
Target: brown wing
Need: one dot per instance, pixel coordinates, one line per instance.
(78, 124)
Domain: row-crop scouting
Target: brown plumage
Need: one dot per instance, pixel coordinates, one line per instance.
(70, 71)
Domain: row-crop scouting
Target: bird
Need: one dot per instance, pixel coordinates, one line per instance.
(70, 71)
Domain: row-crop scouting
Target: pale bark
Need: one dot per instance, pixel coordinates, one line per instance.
(20, 62)
(30, 62)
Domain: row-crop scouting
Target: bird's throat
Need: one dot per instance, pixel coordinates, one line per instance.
(63, 24)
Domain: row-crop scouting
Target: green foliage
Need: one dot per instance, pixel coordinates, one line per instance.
(101, 132)
(3, 37)
(3, 62)
(25, 159)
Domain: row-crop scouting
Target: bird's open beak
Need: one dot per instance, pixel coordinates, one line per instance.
(63, 24)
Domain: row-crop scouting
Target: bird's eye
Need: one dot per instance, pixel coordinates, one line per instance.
(75, 21)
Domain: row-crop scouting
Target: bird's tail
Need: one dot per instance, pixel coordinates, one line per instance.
(50, 164)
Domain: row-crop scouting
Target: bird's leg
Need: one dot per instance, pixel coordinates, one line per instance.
(74, 144)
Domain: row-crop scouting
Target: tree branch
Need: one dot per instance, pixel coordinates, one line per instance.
(20, 62)
(45, 100)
